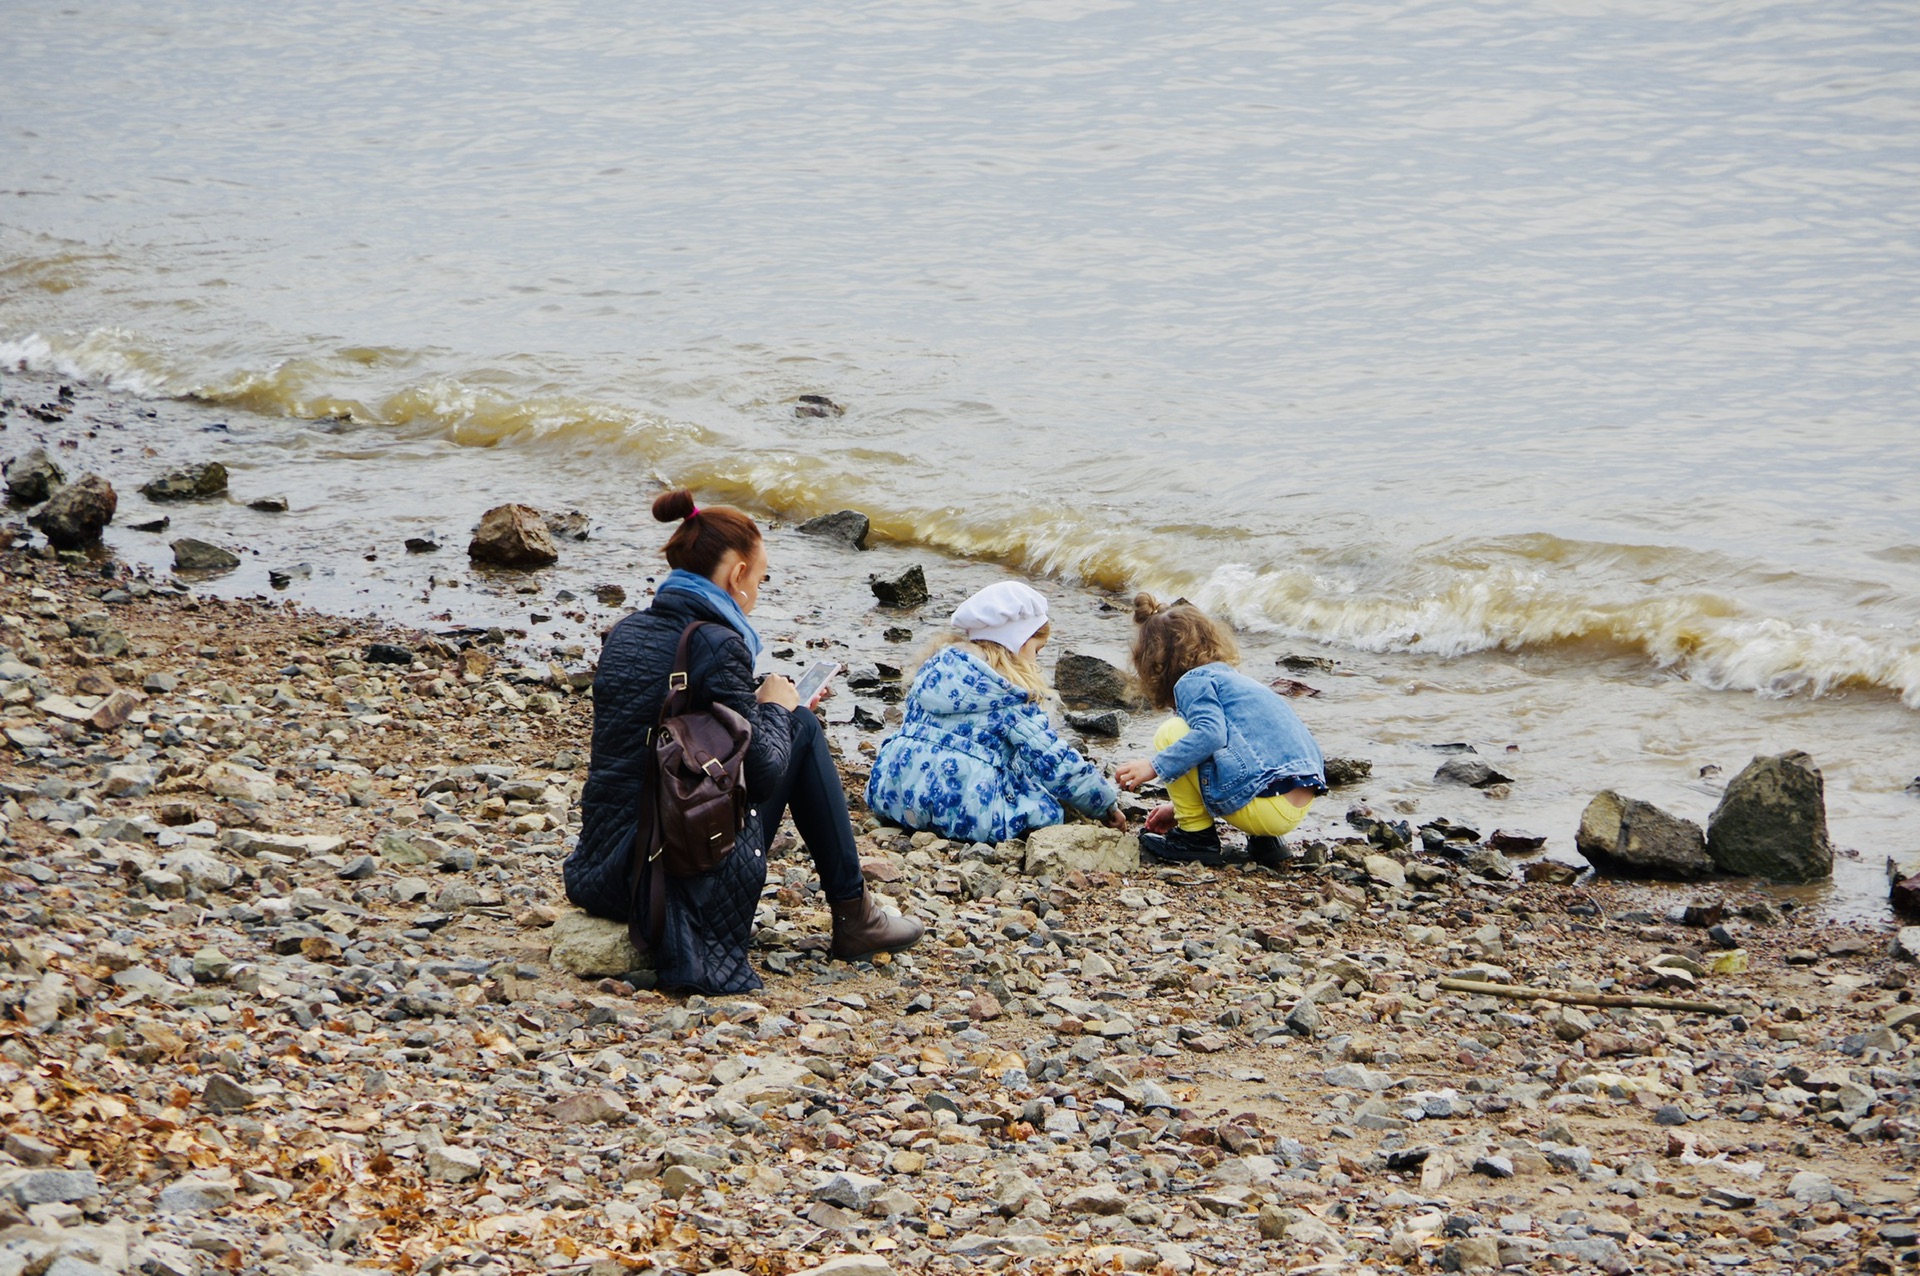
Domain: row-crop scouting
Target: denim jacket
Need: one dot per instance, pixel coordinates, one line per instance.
(1245, 739)
(977, 760)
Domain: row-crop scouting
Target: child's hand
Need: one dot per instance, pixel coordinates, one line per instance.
(1133, 774)
(1160, 819)
(1116, 818)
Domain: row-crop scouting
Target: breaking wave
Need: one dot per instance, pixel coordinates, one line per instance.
(1686, 611)
(1704, 635)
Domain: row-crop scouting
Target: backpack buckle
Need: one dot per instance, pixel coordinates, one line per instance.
(713, 768)
(677, 681)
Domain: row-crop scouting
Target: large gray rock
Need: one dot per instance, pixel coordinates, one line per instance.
(195, 1194)
(32, 477)
(572, 525)
(1632, 838)
(849, 1190)
(1088, 680)
(225, 1095)
(75, 515)
(1772, 821)
(849, 527)
(47, 1187)
(767, 1078)
(191, 555)
(593, 947)
(1088, 848)
(513, 536)
(188, 482)
(454, 1164)
(902, 592)
(1099, 1198)
(1101, 722)
(1471, 772)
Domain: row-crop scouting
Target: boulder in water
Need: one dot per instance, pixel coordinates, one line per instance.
(32, 477)
(1631, 838)
(190, 555)
(75, 515)
(572, 525)
(1772, 821)
(1342, 772)
(849, 527)
(816, 405)
(1471, 772)
(908, 589)
(1551, 872)
(513, 536)
(187, 483)
(1101, 722)
(1088, 680)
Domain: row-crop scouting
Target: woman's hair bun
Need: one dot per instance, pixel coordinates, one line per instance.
(1145, 606)
(671, 507)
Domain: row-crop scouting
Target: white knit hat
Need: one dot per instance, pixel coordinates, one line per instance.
(1008, 613)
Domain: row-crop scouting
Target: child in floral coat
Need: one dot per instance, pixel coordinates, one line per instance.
(976, 758)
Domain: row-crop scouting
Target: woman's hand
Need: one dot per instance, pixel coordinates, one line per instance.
(1133, 774)
(775, 689)
(1160, 819)
(1116, 818)
(825, 693)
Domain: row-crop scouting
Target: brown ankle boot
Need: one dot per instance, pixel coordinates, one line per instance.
(861, 928)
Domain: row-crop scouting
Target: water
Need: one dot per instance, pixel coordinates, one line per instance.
(1557, 360)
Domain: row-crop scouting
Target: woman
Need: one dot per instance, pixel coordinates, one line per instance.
(718, 561)
(976, 758)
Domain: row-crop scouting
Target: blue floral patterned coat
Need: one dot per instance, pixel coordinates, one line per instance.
(977, 761)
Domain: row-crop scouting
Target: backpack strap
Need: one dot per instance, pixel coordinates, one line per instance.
(679, 693)
(647, 873)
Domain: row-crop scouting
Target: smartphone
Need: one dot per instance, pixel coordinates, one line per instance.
(814, 679)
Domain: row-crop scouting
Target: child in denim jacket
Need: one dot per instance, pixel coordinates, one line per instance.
(1233, 749)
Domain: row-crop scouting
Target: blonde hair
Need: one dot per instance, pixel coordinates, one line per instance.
(1170, 640)
(1008, 663)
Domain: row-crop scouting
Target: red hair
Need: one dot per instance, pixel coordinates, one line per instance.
(704, 535)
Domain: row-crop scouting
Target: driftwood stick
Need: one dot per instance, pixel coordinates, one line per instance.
(1565, 997)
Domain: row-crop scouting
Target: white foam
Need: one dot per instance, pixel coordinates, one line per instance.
(1707, 637)
(110, 356)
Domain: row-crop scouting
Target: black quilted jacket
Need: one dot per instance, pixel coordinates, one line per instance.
(708, 918)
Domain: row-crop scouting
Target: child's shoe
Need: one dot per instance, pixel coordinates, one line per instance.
(1182, 846)
(1268, 852)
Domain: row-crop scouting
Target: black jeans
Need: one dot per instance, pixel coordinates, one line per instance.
(811, 790)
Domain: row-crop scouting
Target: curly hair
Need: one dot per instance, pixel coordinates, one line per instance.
(1171, 639)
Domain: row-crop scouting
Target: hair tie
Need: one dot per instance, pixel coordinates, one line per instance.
(696, 512)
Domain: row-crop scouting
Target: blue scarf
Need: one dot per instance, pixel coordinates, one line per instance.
(719, 599)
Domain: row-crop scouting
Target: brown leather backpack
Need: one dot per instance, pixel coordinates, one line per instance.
(697, 791)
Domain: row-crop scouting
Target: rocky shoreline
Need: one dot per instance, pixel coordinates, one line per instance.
(291, 986)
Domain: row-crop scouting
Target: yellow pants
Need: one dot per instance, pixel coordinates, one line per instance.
(1262, 817)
